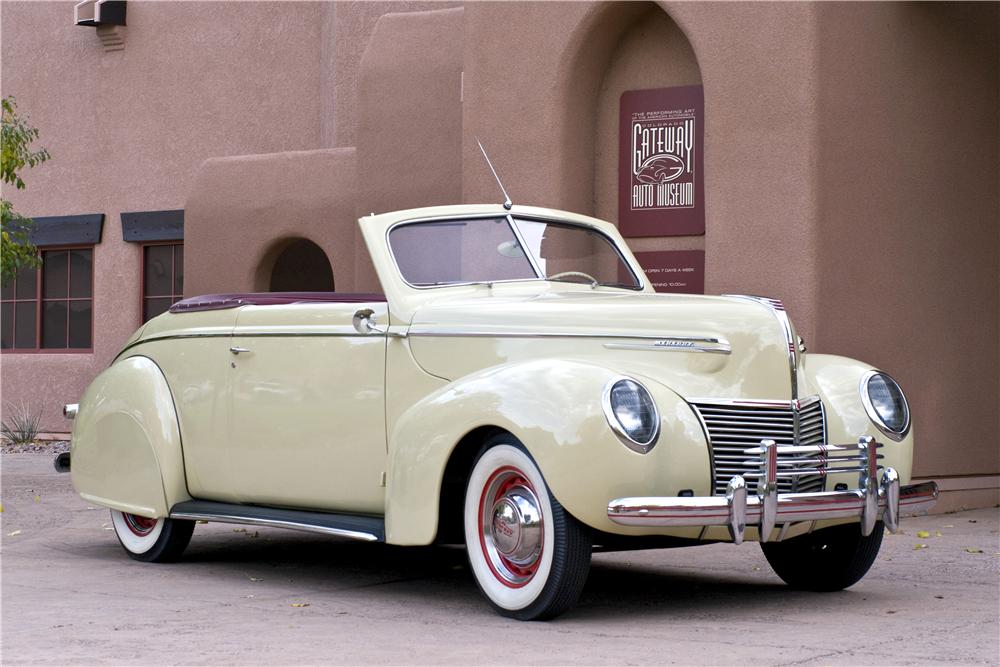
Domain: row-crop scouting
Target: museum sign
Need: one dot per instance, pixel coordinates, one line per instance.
(661, 188)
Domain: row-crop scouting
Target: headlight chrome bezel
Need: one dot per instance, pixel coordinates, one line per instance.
(874, 415)
(616, 425)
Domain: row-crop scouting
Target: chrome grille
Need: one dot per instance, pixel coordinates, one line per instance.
(733, 427)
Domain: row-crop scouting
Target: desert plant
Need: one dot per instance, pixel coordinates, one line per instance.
(19, 425)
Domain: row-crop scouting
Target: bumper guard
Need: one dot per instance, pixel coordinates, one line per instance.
(871, 501)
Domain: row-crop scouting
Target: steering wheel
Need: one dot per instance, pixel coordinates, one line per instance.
(567, 274)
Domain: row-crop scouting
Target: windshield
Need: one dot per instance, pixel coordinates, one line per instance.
(498, 249)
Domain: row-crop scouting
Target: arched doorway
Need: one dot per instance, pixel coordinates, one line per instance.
(301, 266)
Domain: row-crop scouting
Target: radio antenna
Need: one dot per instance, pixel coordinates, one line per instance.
(506, 198)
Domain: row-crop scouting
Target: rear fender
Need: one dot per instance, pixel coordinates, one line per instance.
(126, 447)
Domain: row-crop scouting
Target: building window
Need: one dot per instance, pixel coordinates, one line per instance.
(162, 278)
(51, 308)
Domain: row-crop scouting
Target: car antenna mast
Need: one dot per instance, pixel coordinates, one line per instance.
(506, 198)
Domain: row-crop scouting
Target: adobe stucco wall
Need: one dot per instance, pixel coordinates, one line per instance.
(348, 26)
(909, 214)
(243, 210)
(128, 129)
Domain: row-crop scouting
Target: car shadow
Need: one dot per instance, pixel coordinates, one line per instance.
(441, 573)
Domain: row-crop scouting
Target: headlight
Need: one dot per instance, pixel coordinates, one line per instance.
(632, 414)
(885, 404)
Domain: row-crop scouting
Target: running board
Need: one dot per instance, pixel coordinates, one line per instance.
(365, 528)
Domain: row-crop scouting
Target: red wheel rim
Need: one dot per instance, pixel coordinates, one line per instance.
(139, 525)
(509, 489)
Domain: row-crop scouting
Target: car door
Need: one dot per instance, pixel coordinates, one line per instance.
(192, 350)
(307, 417)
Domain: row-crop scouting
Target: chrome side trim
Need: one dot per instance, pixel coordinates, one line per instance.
(274, 523)
(251, 334)
(718, 345)
(255, 334)
(679, 344)
(459, 332)
(344, 332)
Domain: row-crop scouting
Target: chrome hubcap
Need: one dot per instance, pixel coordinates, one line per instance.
(139, 525)
(511, 527)
(517, 526)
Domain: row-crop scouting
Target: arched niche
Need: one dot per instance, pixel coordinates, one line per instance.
(620, 46)
(295, 265)
(652, 52)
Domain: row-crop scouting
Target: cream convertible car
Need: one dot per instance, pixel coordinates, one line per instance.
(520, 387)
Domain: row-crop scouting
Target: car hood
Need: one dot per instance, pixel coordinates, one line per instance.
(699, 346)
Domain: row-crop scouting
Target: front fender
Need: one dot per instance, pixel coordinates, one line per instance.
(126, 447)
(837, 380)
(554, 408)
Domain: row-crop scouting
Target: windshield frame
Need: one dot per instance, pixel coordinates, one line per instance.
(511, 222)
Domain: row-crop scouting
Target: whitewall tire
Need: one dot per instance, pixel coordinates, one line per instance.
(151, 540)
(530, 558)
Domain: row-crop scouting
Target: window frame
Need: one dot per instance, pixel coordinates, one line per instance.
(39, 301)
(142, 276)
(641, 282)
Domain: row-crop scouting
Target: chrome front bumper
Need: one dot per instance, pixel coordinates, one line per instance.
(871, 501)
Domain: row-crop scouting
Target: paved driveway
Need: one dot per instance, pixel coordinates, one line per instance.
(71, 596)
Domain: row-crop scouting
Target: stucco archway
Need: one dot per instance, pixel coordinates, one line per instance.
(652, 52)
(295, 265)
(619, 46)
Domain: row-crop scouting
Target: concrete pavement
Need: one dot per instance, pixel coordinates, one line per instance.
(272, 597)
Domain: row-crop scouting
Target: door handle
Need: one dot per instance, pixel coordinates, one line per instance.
(237, 350)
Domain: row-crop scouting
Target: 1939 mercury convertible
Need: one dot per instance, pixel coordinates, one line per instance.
(519, 387)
